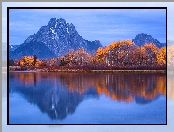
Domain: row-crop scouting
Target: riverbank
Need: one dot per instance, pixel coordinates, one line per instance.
(78, 70)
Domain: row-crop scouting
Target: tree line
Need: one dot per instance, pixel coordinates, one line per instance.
(118, 55)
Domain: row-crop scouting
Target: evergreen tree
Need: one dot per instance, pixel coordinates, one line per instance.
(62, 62)
(35, 58)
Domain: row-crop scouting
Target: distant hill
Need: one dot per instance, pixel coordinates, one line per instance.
(143, 38)
(30, 49)
(53, 40)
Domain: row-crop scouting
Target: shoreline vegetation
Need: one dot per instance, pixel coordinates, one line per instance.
(120, 56)
(83, 70)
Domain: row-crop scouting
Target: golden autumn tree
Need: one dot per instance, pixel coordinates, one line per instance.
(37, 63)
(68, 58)
(151, 50)
(27, 61)
(161, 56)
(41, 62)
(81, 57)
(118, 53)
(52, 62)
(99, 56)
(75, 58)
(143, 56)
(140, 57)
(114, 54)
(125, 54)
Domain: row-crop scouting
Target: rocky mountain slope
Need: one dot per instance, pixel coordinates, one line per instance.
(53, 40)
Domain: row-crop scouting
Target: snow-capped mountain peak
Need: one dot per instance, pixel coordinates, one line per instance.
(59, 37)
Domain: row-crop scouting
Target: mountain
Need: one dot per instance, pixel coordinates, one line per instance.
(13, 47)
(143, 38)
(58, 37)
(93, 45)
(30, 49)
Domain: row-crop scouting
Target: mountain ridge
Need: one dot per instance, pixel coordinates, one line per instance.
(142, 38)
(60, 37)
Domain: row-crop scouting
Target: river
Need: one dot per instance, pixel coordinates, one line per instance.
(86, 98)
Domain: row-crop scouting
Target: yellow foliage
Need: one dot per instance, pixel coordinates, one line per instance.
(128, 42)
(38, 63)
(102, 53)
(27, 61)
(161, 56)
(151, 46)
(99, 51)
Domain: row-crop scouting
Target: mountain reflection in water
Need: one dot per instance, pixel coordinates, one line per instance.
(59, 94)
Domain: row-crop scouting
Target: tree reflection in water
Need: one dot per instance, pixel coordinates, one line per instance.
(59, 94)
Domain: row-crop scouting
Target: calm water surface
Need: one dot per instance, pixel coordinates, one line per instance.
(81, 98)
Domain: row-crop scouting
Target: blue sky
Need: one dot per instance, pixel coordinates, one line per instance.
(106, 25)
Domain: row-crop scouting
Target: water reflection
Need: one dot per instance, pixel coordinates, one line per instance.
(59, 94)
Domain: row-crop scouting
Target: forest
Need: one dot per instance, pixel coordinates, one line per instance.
(124, 55)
